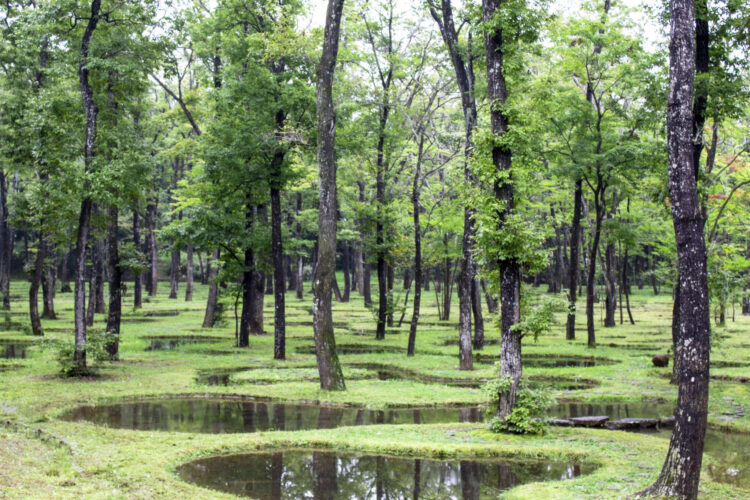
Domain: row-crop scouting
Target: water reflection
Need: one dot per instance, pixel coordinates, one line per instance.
(227, 416)
(331, 476)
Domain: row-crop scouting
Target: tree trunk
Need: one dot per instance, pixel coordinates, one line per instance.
(153, 250)
(680, 474)
(591, 275)
(610, 272)
(347, 278)
(65, 268)
(174, 273)
(189, 273)
(415, 192)
(6, 246)
(49, 285)
(91, 110)
(248, 282)
(115, 286)
(492, 306)
(138, 277)
(391, 297)
(36, 280)
(329, 368)
(476, 306)
(379, 242)
(510, 271)
(746, 298)
(277, 250)
(213, 290)
(626, 286)
(573, 269)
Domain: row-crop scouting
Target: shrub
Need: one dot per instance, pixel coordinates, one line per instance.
(529, 414)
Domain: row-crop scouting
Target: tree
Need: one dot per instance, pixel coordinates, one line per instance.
(681, 471)
(329, 368)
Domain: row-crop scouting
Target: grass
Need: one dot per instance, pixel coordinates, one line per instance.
(42, 456)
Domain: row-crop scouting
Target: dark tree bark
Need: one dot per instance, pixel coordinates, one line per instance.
(591, 273)
(391, 303)
(347, 281)
(681, 471)
(36, 280)
(476, 306)
(573, 270)
(610, 274)
(277, 250)
(415, 192)
(329, 368)
(138, 277)
(174, 268)
(65, 268)
(492, 306)
(746, 299)
(91, 110)
(6, 246)
(153, 251)
(213, 291)
(49, 285)
(189, 278)
(249, 277)
(299, 283)
(115, 286)
(509, 269)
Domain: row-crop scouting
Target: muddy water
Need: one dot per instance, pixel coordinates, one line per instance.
(229, 416)
(333, 475)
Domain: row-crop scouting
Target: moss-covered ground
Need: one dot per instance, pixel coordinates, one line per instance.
(43, 456)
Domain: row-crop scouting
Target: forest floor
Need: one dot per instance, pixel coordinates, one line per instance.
(45, 455)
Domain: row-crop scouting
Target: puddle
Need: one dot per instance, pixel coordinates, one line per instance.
(332, 475)
(14, 349)
(353, 349)
(615, 411)
(729, 450)
(162, 313)
(231, 416)
(172, 343)
(541, 361)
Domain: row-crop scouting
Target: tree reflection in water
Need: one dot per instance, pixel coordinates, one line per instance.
(325, 475)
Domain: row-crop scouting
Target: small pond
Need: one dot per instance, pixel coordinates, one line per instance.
(728, 450)
(542, 361)
(172, 343)
(353, 349)
(231, 416)
(332, 475)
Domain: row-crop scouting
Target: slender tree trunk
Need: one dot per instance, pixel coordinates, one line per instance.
(347, 280)
(591, 276)
(36, 280)
(65, 269)
(626, 286)
(115, 286)
(138, 277)
(382, 272)
(573, 270)
(174, 273)
(680, 474)
(510, 270)
(415, 192)
(610, 272)
(331, 376)
(258, 297)
(6, 246)
(279, 325)
(209, 318)
(248, 282)
(476, 306)
(91, 110)
(492, 306)
(153, 249)
(391, 297)
(49, 285)
(189, 278)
